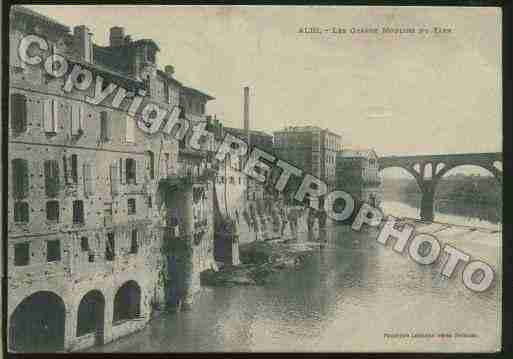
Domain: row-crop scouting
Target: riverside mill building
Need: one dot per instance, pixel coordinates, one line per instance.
(106, 224)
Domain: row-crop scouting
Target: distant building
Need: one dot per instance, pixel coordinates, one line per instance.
(258, 139)
(310, 148)
(358, 174)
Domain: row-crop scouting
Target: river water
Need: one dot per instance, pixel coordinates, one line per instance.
(346, 297)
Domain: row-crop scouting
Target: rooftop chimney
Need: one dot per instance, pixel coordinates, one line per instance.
(169, 69)
(84, 42)
(117, 36)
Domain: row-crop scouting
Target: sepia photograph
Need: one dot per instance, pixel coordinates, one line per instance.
(221, 178)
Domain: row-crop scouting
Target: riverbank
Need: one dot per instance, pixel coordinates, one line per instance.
(259, 261)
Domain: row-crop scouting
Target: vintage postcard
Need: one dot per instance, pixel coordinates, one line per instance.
(254, 179)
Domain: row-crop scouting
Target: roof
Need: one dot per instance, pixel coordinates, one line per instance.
(241, 130)
(168, 77)
(197, 92)
(26, 11)
(296, 129)
(144, 42)
(357, 153)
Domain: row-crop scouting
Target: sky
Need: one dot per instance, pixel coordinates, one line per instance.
(397, 93)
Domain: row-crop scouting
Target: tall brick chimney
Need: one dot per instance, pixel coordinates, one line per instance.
(84, 41)
(117, 36)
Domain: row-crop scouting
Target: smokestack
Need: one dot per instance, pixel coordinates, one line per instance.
(84, 42)
(246, 115)
(117, 36)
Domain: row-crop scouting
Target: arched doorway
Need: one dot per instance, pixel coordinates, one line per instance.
(37, 324)
(127, 302)
(91, 315)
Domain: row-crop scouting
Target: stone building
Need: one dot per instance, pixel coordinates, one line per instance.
(311, 149)
(358, 174)
(89, 210)
(264, 141)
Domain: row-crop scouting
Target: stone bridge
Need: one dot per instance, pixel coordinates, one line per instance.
(428, 169)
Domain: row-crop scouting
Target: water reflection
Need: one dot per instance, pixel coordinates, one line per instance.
(344, 298)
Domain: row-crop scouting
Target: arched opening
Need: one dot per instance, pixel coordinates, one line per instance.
(91, 315)
(37, 324)
(127, 302)
(469, 192)
(401, 193)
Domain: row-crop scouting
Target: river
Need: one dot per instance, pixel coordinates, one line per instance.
(346, 297)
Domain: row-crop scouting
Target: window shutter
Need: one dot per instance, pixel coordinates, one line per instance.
(55, 116)
(114, 179)
(20, 178)
(18, 112)
(52, 178)
(136, 172)
(47, 115)
(89, 179)
(122, 171)
(81, 114)
(66, 169)
(75, 119)
(15, 57)
(130, 129)
(73, 165)
(108, 129)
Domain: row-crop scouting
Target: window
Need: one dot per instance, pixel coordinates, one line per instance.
(130, 129)
(130, 170)
(21, 254)
(166, 156)
(50, 116)
(53, 251)
(77, 119)
(18, 113)
(131, 206)
(110, 250)
(107, 214)
(52, 211)
(134, 246)
(51, 177)
(21, 212)
(150, 164)
(74, 168)
(89, 179)
(20, 178)
(84, 244)
(150, 203)
(78, 212)
(105, 127)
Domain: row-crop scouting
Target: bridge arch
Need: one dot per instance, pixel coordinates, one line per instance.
(428, 169)
(37, 324)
